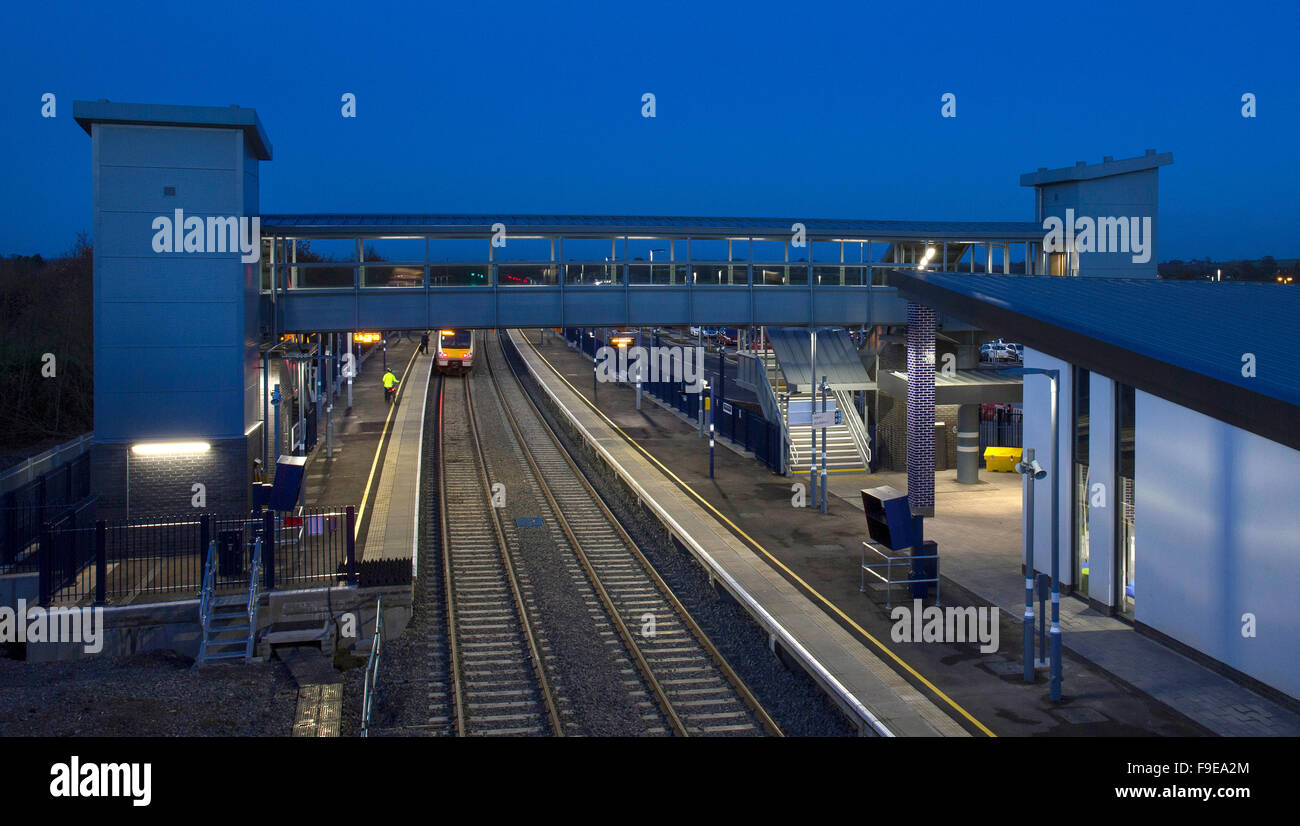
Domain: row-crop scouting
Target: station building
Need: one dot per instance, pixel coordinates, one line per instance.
(1193, 534)
(1178, 450)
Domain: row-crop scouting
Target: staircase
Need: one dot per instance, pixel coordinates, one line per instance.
(842, 447)
(229, 623)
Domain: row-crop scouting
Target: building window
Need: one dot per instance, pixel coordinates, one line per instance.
(1126, 547)
(1081, 399)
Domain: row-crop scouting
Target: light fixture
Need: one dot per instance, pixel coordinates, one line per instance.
(169, 448)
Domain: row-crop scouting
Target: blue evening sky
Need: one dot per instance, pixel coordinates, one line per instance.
(786, 110)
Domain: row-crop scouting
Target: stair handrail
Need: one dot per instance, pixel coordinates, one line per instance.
(205, 596)
(372, 667)
(857, 429)
(254, 582)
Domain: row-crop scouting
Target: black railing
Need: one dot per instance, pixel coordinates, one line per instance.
(156, 560)
(739, 424)
(1001, 428)
(25, 509)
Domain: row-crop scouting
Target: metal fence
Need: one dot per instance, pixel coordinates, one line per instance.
(36, 466)
(1001, 428)
(733, 421)
(24, 509)
(122, 562)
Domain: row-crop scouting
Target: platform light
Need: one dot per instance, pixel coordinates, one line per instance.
(929, 253)
(169, 448)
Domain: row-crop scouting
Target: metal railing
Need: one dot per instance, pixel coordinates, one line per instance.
(253, 598)
(205, 598)
(123, 562)
(42, 463)
(372, 668)
(853, 419)
(26, 508)
(892, 561)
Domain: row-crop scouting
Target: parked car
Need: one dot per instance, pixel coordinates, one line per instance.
(726, 338)
(1000, 350)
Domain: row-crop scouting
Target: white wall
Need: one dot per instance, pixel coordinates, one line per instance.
(1038, 435)
(1101, 468)
(1218, 535)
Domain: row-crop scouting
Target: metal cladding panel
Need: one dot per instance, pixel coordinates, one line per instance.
(595, 306)
(194, 414)
(887, 307)
(179, 149)
(310, 312)
(142, 190)
(722, 306)
(781, 305)
(165, 371)
(132, 234)
(174, 325)
(528, 306)
(170, 328)
(840, 305)
(476, 308)
(398, 309)
(837, 358)
(159, 278)
(658, 305)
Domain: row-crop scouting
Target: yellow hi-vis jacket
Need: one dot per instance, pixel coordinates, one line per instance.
(389, 380)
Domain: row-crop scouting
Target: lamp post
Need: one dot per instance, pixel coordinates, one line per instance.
(825, 386)
(1055, 377)
(708, 408)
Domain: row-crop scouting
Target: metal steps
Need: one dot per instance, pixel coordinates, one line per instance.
(228, 622)
(842, 450)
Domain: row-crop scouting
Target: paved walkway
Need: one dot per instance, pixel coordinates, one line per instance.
(889, 697)
(392, 532)
(1121, 682)
(376, 458)
(978, 529)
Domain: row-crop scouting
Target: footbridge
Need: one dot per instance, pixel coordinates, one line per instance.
(337, 273)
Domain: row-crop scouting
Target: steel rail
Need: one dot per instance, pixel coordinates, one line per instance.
(539, 667)
(720, 662)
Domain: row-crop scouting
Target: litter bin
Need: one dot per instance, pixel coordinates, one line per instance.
(230, 553)
(924, 569)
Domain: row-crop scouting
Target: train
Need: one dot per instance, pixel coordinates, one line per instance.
(454, 354)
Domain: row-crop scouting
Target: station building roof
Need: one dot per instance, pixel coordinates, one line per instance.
(654, 226)
(87, 113)
(1084, 171)
(1183, 341)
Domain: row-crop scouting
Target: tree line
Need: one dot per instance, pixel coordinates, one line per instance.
(47, 351)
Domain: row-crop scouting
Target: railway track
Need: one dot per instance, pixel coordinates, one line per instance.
(498, 682)
(696, 690)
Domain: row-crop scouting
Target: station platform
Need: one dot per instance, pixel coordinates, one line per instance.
(802, 567)
(376, 458)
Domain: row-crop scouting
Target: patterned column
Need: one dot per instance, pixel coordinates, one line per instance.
(920, 409)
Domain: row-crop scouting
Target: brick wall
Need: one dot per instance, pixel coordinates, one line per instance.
(920, 408)
(163, 485)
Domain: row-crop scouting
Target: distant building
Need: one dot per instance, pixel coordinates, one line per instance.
(1107, 212)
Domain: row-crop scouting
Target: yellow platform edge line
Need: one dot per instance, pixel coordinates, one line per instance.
(740, 532)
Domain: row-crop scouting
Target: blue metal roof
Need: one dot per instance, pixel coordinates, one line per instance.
(1182, 340)
(837, 359)
(650, 225)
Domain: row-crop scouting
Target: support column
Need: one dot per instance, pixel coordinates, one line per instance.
(968, 444)
(920, 409)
